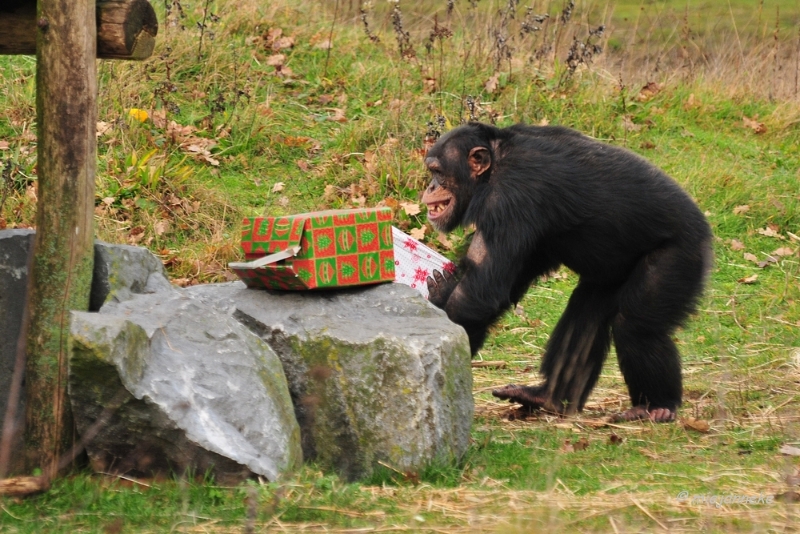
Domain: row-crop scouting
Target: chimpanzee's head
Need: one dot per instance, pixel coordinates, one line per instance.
(457, 163)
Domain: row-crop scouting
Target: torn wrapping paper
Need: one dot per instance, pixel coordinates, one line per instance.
(414, 262)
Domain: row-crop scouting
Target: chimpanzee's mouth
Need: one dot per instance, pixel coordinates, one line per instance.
(435, 209)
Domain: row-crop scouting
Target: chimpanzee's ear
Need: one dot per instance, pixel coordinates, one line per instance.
(479, 161)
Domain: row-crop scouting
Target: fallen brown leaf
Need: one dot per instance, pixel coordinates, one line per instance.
(159, 118)
(283, 71)
(738, 210)
(338, 115)
(102, 128)
(753, 124)
(691, 102)
(736, 245)
(491, 84)
(748, 279)
(271, 35)
(298, 141)
(325, 99)
(370, 161)
(769, 231)
(698, 425)
(283, 43)
(325, 44)
(411, 208)
(276, 59)
(390, 203)
(649, 91)
(161, 227)
(179, 132)
(628, 124)
(766, 262)
(579, 445)
(136, 235)
(442, 238)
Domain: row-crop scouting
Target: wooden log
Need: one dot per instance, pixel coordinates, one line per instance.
(63, 250)
(126, 29)
(23, 486)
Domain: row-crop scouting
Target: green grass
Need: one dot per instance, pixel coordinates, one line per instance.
(741, 351)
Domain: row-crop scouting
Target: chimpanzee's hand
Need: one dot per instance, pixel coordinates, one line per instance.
(440, 286)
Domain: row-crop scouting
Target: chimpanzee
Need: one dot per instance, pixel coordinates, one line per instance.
(544, 196)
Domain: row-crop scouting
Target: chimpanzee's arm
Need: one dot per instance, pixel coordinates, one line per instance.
(481, 294)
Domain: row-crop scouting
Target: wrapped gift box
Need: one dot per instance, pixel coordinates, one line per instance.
(324, 249)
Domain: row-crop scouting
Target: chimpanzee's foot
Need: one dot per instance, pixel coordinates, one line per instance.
(637, 413)
(531, 397)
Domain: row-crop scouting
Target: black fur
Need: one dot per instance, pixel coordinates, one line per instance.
(552, 197)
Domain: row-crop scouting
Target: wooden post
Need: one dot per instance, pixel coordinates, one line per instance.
(126, 29)
(60, 277)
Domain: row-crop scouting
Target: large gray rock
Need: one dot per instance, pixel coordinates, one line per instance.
(377, 373)
(14, 247)
(177, 385)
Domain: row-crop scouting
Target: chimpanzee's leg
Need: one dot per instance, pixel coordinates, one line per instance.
(574, 356)
(658, 296)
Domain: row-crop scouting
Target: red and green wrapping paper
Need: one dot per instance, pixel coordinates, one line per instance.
(337, 248)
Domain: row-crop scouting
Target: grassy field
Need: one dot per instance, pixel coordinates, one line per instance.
(280, 107)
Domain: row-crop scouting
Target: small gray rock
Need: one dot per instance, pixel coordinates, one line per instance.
(194, 389)
(120, 271)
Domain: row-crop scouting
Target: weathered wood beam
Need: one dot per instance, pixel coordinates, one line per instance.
(126, 29)
(60, 278)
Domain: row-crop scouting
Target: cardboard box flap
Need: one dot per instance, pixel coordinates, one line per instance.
(267, 260)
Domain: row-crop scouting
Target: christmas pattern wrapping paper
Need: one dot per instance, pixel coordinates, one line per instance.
(414, 262)
(324, 249)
